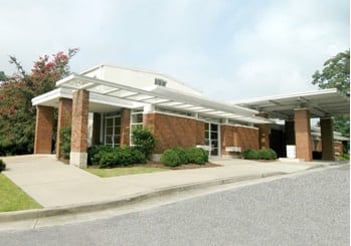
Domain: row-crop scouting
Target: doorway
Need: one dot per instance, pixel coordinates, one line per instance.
(212, 138)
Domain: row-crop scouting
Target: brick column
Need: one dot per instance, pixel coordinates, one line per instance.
(327, 139)
(79, 137)
(64, 119)
(263, 132)
(303, 134)
(125, 125)
(43, 130)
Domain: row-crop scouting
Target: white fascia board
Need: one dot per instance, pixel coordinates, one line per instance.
(108, 100)
(202, 101)
(48, 96)
(288, 96)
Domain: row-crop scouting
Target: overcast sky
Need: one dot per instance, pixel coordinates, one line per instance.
(228, 49)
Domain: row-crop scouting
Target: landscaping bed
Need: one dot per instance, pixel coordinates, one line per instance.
(149, 167)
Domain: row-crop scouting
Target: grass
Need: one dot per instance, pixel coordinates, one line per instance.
(12, 198)
(120, 171)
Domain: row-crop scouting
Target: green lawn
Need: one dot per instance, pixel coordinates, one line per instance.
(12, 198)
(119, 171)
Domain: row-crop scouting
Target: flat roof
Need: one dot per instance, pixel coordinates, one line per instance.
(321, 103)
(109, 93)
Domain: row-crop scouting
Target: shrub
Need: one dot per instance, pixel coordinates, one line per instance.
(143, 141)
(123, 156)
(197, 155)
(267, 154)
(178, 156)
(262, 154)
(95, 153)
(170, 158)
(249, 154)
(65, 142)
(182, 154)
(7, 147)
(2, 165)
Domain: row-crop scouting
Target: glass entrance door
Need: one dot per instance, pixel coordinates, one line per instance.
(212, 138)
(113, 130)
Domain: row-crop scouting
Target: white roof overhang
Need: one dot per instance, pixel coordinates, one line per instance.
(111, 93)
(321, 103)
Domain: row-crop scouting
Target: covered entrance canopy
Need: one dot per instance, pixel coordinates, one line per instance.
(297, 109)
(320, 103)
(106, 95)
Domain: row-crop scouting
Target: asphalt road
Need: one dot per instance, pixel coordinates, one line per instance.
(308, 209)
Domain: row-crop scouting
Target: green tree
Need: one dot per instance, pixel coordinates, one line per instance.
(336, 74)
(2, 76)
(17, 115)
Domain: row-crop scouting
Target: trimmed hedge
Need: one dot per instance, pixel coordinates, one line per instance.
(261, 154)
(2, 165)
(106, 156)
(177, 156)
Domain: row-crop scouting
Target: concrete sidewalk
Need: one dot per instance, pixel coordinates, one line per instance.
(56, 186)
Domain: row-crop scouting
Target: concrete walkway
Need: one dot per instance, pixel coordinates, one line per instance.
(55, 185)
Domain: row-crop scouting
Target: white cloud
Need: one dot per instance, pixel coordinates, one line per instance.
(228, 49)
(286, 45)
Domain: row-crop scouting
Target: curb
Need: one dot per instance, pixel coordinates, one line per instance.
(104, 205)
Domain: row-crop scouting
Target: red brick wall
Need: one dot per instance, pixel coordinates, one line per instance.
(171, 131)
(80, 105)
(64, 119)
(244, 137)
(125, 126)
(303, 135)
(43, 130)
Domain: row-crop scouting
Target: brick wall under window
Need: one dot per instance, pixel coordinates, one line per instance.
(172, 131)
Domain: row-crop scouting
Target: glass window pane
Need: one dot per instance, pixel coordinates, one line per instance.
(117, 121)
(117, 130)
(108, 139)
(109, 130)
(109, 122)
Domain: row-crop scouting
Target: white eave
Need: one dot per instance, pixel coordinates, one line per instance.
(159, 96)
(321, 103)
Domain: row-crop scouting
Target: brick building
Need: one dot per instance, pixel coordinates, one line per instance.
(104, 103)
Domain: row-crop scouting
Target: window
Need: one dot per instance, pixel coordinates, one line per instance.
(160, 82)
(113, 130)
(136, 121)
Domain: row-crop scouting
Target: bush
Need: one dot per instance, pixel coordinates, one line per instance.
(143, 141)
(197, 155)
(170, 158)
(95, 153)
(178, 156)
(250, 154)
(182, 154)
(2, 165)
(262, 154)
(267, 154)
(106, 156)
(65, 142)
